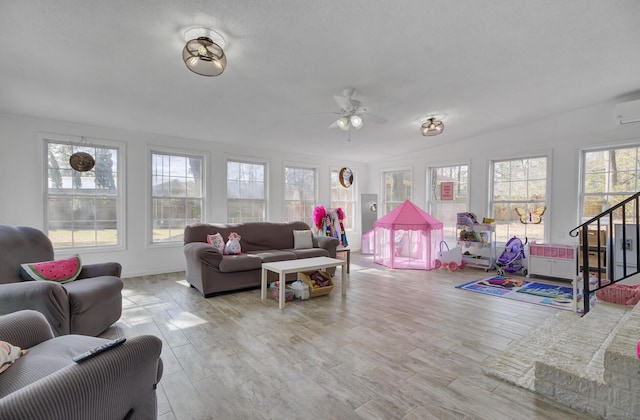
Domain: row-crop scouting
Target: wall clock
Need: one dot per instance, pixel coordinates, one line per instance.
(346, 177)
(82, 162)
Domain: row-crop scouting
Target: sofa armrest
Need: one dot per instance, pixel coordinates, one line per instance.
(25, 328)
(202, 252)
(100, 269)
(46, 297)
(328, 243)
(111, 385)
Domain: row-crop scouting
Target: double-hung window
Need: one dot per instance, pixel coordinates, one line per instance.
(245, 192)
(609, 176)
(344, 198)
(84, 209)
(448, 195)
(177, 194)
(397, 188)
(518, 197)
(299, 194)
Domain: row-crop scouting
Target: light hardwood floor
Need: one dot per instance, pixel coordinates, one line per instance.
(403, 344)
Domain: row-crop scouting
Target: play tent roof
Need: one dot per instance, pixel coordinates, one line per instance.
(408, 216)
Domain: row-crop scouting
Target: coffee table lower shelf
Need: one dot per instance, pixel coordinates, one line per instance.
(282, 268)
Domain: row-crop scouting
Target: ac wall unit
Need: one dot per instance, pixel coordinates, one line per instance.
(628, 112)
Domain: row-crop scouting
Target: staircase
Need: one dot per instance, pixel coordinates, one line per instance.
(588, 363)
(621, 225)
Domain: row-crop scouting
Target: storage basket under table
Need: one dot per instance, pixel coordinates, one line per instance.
(319, 291)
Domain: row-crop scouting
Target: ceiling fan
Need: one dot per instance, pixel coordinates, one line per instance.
(352, 114)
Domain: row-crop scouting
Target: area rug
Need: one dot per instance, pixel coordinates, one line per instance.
(526, 291)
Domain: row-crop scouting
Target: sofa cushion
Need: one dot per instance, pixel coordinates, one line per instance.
(256, 236)
(309, 252)
(274, 255)
(242, 262)
(44, 359)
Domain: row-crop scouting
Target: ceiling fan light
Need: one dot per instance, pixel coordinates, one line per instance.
(343, 123)
(356, 121)
(432, 127)
(204, 57)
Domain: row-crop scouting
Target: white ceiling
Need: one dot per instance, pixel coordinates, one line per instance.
(482, 64)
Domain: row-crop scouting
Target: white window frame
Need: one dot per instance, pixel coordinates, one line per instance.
(529, 203)
(178, 240)
(607, 194)
(308, 204)
(82, 143)
(393, 203)
(248, 201)
(348, 206)
(434, 202)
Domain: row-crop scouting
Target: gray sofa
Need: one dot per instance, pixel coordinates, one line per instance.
(46, 384)
(88, 305)
(211, 272)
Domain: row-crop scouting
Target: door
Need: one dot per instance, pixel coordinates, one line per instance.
(369, 211)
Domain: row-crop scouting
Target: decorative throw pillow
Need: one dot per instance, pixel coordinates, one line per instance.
(9, 354)
(60, 271)
(216, 241)
(302, 239)
(232, 246)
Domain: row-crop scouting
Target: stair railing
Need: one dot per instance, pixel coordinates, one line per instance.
(608, 247)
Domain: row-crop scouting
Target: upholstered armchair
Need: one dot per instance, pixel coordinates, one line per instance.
(45, 383)
(88, 305)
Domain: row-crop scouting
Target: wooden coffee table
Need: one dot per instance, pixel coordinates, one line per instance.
(293, 266)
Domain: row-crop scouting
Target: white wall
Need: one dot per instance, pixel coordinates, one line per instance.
(23, 177)
(562, 137)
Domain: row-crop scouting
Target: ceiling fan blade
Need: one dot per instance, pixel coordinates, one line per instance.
(343, 103)
(374, 118)
(305, 114)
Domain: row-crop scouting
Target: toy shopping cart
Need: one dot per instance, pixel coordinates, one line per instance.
(451, 258)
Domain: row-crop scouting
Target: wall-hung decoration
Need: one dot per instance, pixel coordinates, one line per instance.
(446, 190)
(346, 177)
(82, 161)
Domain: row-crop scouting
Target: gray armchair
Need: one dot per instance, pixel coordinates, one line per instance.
(88, 305)
(46, 384)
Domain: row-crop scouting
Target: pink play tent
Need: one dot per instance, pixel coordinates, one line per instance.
(407, 237)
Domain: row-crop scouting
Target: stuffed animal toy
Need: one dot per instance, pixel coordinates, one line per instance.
(233, 245)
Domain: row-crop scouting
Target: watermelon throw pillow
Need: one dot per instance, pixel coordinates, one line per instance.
(60, 271)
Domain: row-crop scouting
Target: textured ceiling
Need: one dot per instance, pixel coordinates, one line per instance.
(482, 64)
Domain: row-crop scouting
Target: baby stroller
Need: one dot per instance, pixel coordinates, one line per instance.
(510, 261)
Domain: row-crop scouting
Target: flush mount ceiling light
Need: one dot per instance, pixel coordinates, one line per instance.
(432, 127)
(203, 54)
